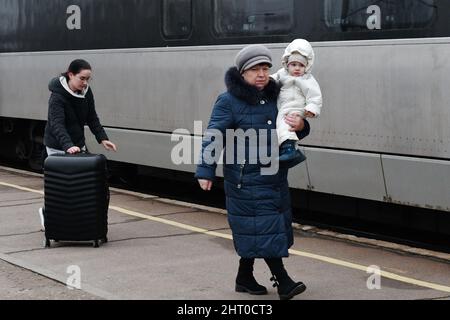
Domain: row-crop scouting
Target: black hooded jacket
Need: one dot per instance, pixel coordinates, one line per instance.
(67, 115)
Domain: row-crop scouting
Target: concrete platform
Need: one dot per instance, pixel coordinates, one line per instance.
(161, 249)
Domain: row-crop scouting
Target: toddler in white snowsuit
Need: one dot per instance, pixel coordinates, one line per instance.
(300, 94)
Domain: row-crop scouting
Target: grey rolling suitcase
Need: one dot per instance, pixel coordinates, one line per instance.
(76, 196)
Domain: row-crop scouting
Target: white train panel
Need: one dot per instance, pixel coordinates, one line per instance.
(373, 90)
(353, 174)
(418, 182)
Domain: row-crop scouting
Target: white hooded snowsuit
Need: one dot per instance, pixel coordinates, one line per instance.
(298, 94)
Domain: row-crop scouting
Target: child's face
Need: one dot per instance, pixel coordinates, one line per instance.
(296, 69)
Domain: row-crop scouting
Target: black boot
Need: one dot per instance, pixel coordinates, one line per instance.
(286, 287)
(245, 281)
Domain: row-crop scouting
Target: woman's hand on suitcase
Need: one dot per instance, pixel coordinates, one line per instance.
(73, 150)
(109, 145)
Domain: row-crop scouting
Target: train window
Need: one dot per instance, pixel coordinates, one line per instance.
(253, 17)
(9, 17)
(360, 15)
(177, 18)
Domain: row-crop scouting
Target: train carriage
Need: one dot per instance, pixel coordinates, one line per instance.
(383, 67)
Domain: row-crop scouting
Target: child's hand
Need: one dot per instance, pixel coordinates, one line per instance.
(309, 114)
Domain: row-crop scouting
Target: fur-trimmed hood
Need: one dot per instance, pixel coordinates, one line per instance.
(237, 86)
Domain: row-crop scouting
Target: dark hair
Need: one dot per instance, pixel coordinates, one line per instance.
(76, 66)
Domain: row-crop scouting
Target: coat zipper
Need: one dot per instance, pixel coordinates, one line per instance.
(241, 174)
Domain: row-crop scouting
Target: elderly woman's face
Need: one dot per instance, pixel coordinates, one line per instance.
(257, 76)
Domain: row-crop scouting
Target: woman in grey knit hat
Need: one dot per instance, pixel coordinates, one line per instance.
(258, 203)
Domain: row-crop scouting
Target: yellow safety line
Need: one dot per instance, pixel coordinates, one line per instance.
(21, 188)
(385, 274)
(338, 262)
(171, 223)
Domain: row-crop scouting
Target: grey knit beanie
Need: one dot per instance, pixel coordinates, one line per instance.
(251, 56)
(297, 57)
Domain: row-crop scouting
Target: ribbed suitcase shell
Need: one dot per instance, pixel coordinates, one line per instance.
(76, 198)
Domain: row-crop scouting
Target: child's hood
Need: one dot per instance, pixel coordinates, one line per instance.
(304, 48)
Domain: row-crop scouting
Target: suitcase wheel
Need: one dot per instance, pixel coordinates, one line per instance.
(47, 243)
(96, 244)
(105, 240)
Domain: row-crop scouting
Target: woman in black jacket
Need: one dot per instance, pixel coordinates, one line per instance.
(71, 106)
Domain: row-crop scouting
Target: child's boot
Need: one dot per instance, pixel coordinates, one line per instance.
(290, 156)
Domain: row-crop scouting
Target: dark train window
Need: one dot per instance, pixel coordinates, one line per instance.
(253, 17)
(177, 18)
(9, 17)
(363, 15)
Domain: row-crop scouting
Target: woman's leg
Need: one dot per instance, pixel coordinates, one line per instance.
(41, 216)
(245, 281)
(287, 288)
